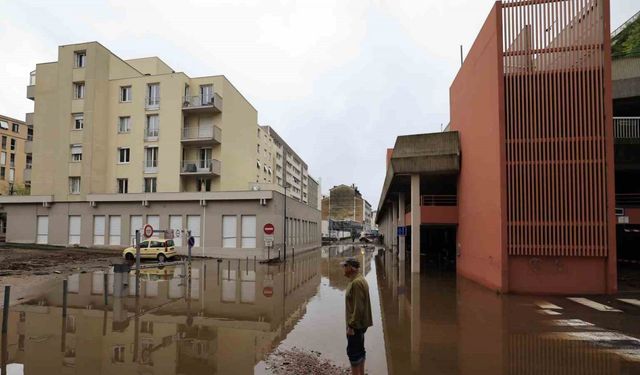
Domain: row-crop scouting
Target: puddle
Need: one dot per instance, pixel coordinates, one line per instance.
(227, 317)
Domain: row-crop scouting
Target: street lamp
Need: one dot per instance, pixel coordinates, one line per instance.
(286, 185)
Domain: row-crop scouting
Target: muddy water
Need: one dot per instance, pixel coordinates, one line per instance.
(226, 317)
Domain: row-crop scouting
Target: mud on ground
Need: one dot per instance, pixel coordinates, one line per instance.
(27, 269)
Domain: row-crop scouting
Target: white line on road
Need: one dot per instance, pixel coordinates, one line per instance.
(571, 323)
(631, 301)
(547, 305)
(593, 304)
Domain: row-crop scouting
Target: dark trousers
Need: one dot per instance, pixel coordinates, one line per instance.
(355, 347)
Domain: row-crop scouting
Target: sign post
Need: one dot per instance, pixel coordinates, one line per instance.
(190, 242)
(138, 261)
(402, 231)
(268, 229)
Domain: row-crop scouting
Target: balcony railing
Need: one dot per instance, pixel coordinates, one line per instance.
(150, 166)
(628, 200)
(200, 167)
(627, 128)
(29, 119)
(439, 200)
(209, 102)
(152, 102)
(202, 133)
(151, 134)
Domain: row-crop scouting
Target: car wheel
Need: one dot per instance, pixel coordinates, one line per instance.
(162, 258)
(129, 256)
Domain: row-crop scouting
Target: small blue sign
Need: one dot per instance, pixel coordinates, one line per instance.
(402, 231)
(191, 241)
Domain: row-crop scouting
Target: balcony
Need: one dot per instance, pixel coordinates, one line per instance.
(152, 103)
(31, 89)
(29, 119)
(627, 129)
(27, 173)
(28, 147)
(201, 135)
(202, 104)
(202, 167)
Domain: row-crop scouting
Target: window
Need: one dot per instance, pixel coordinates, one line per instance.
(151, 158)
(175, 223)
(78, 121)
(123, 185)
(229, 230)
(2, 173)
(76, 153)
(74, 185)
(80, 58)
(229, 285)
(206, 92)
(4, 142)
(75, 224)
(124, 124)
(3, 158)
(78, 90)
(125, 94)
(118, 354)
(135, 223)
(153, 95)
(123, 155)
(12, 174)
(154, 221)
(248, 231)
(4, 125)
(150, 185)
(29, 134)
(204, 184)
(114, 230)
(42, 230)
(153, 126)
(13, 144)
(15, 127)
(193, 224)
(98, 230)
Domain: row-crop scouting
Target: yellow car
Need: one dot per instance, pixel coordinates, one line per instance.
(153, 248)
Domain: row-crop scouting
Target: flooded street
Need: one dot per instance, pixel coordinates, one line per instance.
(226, 317)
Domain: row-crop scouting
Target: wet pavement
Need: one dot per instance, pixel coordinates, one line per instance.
(227, 317)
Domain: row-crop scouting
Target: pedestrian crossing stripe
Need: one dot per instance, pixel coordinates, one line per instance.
(548, 312)
(630, 301)
(594, 305)
(547, 305)
(571, 323)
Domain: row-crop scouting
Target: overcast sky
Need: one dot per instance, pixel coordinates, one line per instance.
(338, 79)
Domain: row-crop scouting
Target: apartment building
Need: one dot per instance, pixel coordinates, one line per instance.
(290, 170)
(122, 143)
(346, 209)
(15, 156)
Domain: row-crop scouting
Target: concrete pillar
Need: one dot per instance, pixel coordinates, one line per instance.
(401, 223)
(402, 296)
(394, 226)
(416, 220)
(416, 322)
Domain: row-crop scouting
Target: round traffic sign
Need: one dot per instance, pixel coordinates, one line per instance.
(268, 228)
(267, 291)
(191, 241)
(148, 230)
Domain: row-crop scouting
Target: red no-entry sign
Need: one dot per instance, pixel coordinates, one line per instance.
(148, 230)
(269, 228)
(267, 291)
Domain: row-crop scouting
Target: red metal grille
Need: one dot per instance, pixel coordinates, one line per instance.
(556, 127)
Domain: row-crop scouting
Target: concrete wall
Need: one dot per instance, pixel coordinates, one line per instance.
(304, 233)
(476, 99)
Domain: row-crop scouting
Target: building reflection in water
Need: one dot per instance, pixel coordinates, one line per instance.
(435, 323)
(225, 320)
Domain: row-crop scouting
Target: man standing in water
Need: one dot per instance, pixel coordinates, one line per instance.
(358, 314)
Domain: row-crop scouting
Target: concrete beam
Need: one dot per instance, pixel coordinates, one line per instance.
(415, 223)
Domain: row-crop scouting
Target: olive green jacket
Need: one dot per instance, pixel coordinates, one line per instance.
(357, 304)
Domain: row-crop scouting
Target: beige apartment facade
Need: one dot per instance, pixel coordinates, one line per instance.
(15, 156)
(136, 126)
(133, 142)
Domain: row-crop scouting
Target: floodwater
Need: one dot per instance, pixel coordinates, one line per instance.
(226, 317)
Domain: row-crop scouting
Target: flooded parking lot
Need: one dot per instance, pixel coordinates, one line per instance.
(227, 317)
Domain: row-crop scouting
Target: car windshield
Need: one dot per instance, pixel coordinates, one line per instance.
(170, 243)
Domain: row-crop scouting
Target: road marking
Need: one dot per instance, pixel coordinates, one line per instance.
(549, 312)
(630, 301)
(547, 305)
(571, 323)
(594, 336)
(593, 304)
